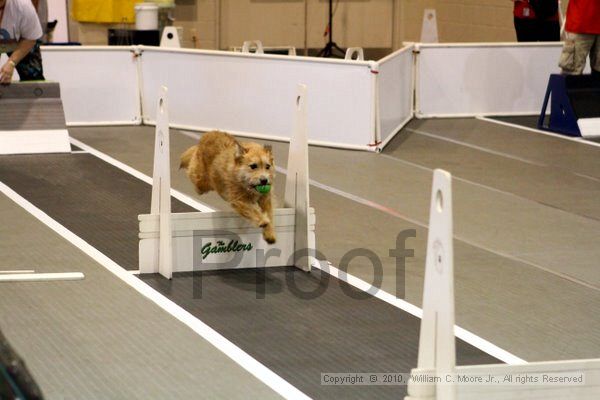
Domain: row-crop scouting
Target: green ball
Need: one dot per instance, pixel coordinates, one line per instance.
(263, 189)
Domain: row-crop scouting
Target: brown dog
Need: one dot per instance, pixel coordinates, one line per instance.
(234, 170)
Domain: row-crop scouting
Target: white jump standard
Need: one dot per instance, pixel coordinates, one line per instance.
(437, 377)
(199, 241)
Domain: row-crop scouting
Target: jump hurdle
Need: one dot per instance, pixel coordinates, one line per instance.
(180, 242)
(32, 119)
(437, 355)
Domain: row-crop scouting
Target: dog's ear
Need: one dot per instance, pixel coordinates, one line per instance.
(268, 148)
(239, 151)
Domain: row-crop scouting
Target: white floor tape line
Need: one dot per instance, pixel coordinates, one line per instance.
(254, 367)
(465, 335)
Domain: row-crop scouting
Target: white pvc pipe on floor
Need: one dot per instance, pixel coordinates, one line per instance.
(41, 277)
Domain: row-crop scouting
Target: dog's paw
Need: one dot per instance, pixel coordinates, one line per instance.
(269, 234)
(270, 239)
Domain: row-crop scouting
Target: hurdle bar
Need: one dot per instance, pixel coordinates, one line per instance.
(437, 354)
(180, 242)
(32, 119)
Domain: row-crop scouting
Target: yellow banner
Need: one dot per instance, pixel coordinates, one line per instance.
(104, 11)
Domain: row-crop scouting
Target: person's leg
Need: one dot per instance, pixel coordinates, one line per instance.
(595, 57)
(30, 68)
(525, 29)
(548, 31)
(575, 51)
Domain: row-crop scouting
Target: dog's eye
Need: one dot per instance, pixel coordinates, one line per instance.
(268, 166)
(253, 166)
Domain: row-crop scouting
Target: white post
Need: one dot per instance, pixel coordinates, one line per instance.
(429, 30)
(161, 186)
(436, 343)
(296, 186)
(351, 51)
(170, 38)
(248, 45)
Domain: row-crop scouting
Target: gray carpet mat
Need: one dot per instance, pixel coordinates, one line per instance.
(297, 338)
(31, 106)
(548, 170)
(529, 121)
(553, 151)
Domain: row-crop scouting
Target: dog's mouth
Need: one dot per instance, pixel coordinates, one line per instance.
(255, 183)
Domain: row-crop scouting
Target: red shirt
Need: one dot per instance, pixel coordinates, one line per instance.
(583, 16)
(524, 10)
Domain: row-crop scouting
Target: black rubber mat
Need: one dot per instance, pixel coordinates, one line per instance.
(334, 329)
(93, 199)
(330, 328)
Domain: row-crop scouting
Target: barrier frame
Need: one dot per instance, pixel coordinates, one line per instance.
(385, 137)
(374, 138)
(136, 117)
(369, 116)
(419, 77)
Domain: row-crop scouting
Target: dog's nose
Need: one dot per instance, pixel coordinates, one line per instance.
(264, 181)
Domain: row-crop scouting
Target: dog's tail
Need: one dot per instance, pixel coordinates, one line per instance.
(186, 157)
